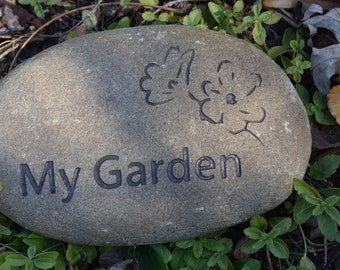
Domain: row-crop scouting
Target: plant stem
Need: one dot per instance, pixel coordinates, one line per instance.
(269, 259)
(304, 240)
(8, 247)
(325, 250)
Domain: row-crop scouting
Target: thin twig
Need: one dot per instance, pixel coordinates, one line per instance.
(133, 4)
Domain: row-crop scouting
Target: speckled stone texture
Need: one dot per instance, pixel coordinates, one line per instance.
(147, 135)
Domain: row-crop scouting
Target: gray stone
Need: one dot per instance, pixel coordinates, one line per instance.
(147, 135)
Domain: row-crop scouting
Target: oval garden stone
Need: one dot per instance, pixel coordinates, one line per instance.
(146, 135)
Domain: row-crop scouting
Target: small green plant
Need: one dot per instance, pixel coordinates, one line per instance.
(195, 18)
(74, 253)
(201, 253)
(291, 55)
(260, 237)
(324, 207)
(227, 19)
(319, 110)
(32, 260)
(257, 19)
(38, 8)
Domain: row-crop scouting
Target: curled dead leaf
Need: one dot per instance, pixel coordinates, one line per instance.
(334, 102)
(325, 64)
(326, 4)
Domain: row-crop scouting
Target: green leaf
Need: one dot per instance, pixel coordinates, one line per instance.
(294, 44)
(328, 192)
(16, 259)
(253, 233)
(60, 262)
(224, 263)
(259, 33)
(313, 200)
(151, 257)
(185, 243)
(217, 12)
(123, 22)
(288, 35)
(276, 51)
(178, 257)
(238, 6)
(327, 226)
(148, 16)
(248, 247)
(303, 93)
(306, 65)
(302, 211)
(318, 210)
(165, 252)
(187, 21)
(69, 252)
(29, 266)
(192, 261)
(257, 8)
(149, 2)
(278, 248)
(269, 17)
(259, 244)
(304, 189)
(297, 77)
(259, 222)
(285, 61)
(4, 230)
(333, 213)
(332, 200)
(227, 244)
(325, 167)
(38, 10)
(71, 34)
(306, 263)
(291, 70)
(195, 16)
(320, 100)
(283, 226)
(124, 2)
(91, 253)
(247, 264)
(197, 249)
(164, 17)
(89, 18)
(212, 260)
(31, 251)
(325, 118)
(246, 22)
(25, 2)
(212, 245)
(45, 260)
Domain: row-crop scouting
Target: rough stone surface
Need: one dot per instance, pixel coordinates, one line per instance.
(147, 135)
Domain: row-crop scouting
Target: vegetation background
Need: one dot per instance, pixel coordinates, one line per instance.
(303, 38)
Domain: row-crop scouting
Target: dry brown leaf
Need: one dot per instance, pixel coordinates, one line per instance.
(326, 4)
(334, 102)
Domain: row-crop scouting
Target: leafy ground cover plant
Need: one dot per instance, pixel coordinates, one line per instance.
(291, 55)
(280, 239)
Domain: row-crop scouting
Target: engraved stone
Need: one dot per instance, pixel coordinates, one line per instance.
(147, 135)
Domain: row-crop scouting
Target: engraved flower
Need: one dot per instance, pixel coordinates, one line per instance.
(163, 80)
(228, 99)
